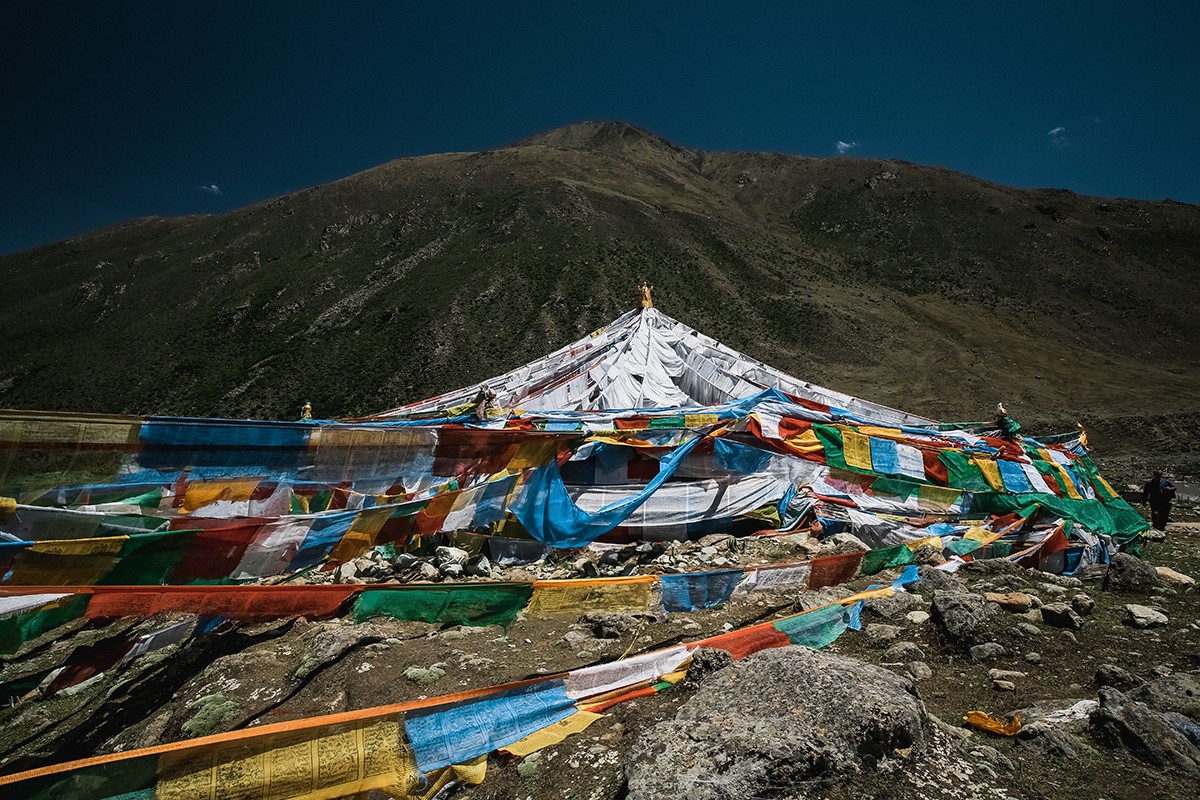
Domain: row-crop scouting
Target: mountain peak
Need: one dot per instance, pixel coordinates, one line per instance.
(598, 135)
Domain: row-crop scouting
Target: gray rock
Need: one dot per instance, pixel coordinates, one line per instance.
(992, 756)
(879, 632)
(918, 671)
(1029, 629)
(1004, 686)
(928, 554)
(1083, 604)
(427, 571)
(1178, 692)
(576, 640)
(1005, 675)
(992, 567)
(479, 566)
(450, 555)
(1061, 615)
(930, 580)
(1144, 616)
(1066, 581)
(895, 606)
(608, 624)
(1033, 657)
(730, 739)
(807, 601)
(917, 617)
(451, 570)
(721, 541)
(1144, 732)
(706, 662)
(1130, 574)
(1052, 742)
(1112, 675)
(988, 651)
(846, 543)
(903, 651)
(961, 614)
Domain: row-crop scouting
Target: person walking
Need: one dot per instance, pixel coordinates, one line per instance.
(1159, 491)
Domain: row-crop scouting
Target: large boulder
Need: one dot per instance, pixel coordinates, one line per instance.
(1130, 574)
(1146, 733)
(931, 579)
(962, 615)
(1178, 692)
(774, 722)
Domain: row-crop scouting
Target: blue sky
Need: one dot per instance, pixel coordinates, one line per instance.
(118, 110)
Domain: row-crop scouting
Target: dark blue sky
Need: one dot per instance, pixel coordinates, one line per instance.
(125, 109)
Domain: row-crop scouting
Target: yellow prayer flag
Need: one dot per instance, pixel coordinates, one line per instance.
(470, 772)
(699, 420)
(552, 734)
(106, 546)
(883, 433)
(991, 473)
(321, 763)
(936, 541)
(1068, 484)
(199, 495)
(857, 450)
(575, 597)
(805, 442)
(361, 536)
(532, 453)
(936, 498)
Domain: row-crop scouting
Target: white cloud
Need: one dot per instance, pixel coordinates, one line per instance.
(212, 188)
(845, 147)
(1058, 138)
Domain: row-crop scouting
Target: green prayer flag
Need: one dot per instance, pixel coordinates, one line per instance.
(885, 557)
(493, 604)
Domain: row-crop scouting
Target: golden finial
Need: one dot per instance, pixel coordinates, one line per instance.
(647, 301)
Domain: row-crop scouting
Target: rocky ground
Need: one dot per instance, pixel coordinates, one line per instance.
(1103, 668)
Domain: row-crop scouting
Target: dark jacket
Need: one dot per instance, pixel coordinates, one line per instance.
(1158, 492)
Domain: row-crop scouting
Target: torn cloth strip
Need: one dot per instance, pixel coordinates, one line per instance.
(698, 590)
(547, 511)
(446, 735)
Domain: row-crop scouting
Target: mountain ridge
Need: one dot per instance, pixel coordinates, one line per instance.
(914, 286)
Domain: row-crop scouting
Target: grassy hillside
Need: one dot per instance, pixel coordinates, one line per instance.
(918, 287)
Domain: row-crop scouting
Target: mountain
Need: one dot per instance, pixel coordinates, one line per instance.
(914, 286)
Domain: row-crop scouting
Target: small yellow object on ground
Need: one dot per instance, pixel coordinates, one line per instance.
(986, 722)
